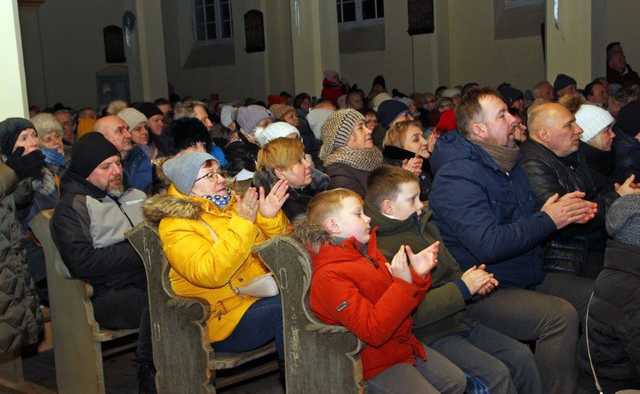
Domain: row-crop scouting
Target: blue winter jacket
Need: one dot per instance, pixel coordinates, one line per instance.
(486, 215)
(138, 170)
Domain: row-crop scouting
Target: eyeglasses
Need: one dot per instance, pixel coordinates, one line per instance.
(210, 175)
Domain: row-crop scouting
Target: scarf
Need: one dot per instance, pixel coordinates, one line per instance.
(360, 159)
(506, 157)
(219, 201)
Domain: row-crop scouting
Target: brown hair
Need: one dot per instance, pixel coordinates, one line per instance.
(384, 184)
(310, 230)
(398, 132)
(280, 153)
(470, 109)
(572, 103)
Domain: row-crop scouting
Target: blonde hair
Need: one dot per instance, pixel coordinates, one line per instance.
(116, 106)
(310, 230)
(187, 109)
(280, 153)
(398, 132)
(572, 103)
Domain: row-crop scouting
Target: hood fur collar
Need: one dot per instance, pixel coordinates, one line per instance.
(161, 206)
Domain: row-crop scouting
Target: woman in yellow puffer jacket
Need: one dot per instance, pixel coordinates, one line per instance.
(207, 234)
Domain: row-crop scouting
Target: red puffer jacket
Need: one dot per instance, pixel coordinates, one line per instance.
(356, 290)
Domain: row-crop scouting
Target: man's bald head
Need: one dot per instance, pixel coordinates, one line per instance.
(554, 126)
(115, 130)
(544, 115)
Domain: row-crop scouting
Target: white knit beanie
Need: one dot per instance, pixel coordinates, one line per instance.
(592, 120)
(273, 131)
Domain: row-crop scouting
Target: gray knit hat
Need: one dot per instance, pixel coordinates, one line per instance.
(132, 117)
(623, 219)
(182, 170)
(337, 129)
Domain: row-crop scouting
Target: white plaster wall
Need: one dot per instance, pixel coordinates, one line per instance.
(476, 56)
(64, 48)
(246, 78)
(462, 49)
(622, 25)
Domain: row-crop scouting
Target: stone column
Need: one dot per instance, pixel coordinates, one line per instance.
(146, 56)
(314, 37)
(569, 40)
(13, 88)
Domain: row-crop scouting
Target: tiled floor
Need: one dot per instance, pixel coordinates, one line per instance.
(120, 376)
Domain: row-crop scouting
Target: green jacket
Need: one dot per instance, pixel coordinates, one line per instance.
(442, 311)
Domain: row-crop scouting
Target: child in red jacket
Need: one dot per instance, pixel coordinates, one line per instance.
(354, 286)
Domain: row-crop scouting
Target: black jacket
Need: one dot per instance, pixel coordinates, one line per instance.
(568, 249)
(394, 156)
(626, 150)
(600, 164)
(114, 266)
(343, 175)
(614, 319)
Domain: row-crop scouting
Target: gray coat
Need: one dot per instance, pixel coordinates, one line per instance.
(20, 315)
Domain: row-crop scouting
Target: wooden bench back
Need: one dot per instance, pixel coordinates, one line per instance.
(77, 336)
(181, 352)
(320, 358)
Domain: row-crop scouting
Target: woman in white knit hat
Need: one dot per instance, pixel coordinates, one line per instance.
(597, 137)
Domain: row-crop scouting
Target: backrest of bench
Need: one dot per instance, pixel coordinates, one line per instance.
(319, 358)
(181, 353)
(72, 318)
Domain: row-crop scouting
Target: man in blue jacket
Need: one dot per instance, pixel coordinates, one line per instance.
(485, 210)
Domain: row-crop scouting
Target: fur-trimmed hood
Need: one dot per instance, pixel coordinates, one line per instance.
(159, 207)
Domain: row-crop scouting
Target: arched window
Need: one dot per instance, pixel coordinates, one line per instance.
(113, 44)
(254, 31)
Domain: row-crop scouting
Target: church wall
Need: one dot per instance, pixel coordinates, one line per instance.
(64, 48)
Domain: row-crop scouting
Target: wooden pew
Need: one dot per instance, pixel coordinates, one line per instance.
(320, 358)
(77, 336)
(184, 359)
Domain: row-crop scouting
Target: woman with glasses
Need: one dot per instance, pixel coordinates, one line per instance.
(207, 234)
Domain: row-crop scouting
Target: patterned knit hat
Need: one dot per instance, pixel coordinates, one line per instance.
(337, 130)
(623, 220)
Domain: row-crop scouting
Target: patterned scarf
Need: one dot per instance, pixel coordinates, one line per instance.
(220, 201)
(360, 159)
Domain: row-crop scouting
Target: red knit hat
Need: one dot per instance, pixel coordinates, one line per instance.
(447, 121)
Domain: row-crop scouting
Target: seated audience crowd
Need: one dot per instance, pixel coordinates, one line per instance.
(474, 239)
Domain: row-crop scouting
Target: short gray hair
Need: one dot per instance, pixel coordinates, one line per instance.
(46, 124)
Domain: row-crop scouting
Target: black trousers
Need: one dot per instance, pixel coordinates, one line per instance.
(123, 308)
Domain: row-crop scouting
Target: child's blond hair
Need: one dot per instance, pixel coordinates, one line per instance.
(310, 230)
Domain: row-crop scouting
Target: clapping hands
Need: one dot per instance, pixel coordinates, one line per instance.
(422, 263)
(255, 200)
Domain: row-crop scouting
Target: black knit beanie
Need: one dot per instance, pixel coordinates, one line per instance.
(10, 129)
(91, 150)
